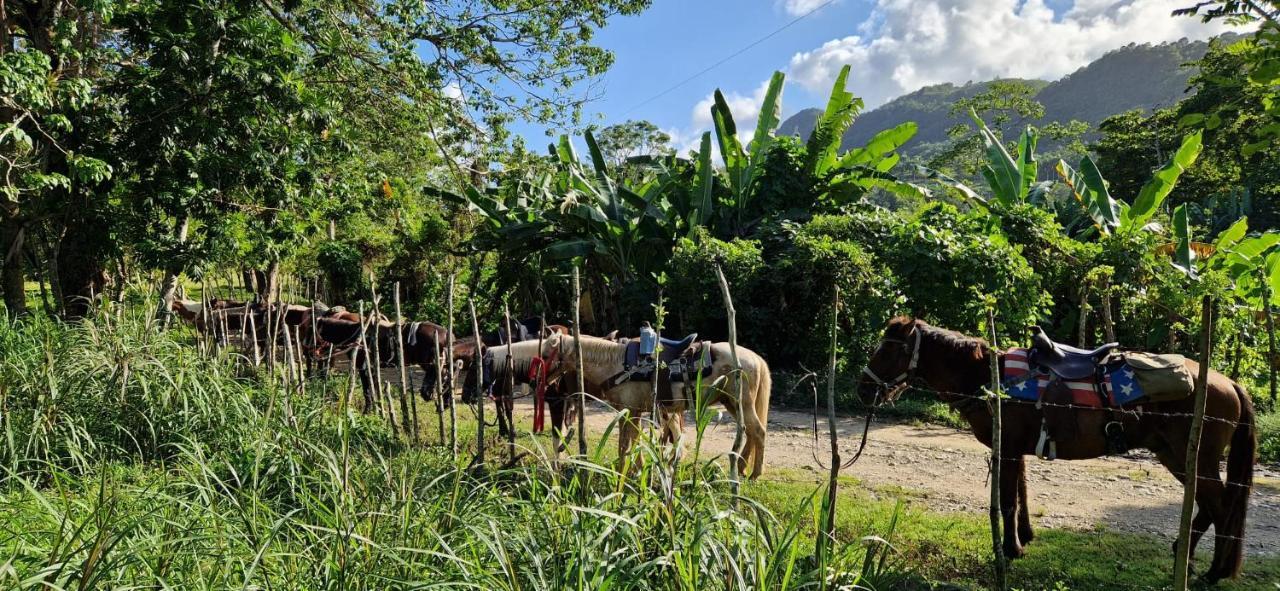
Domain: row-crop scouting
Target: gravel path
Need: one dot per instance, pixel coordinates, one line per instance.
(946, 469)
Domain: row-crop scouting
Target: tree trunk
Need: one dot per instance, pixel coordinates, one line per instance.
(170, 284)
(14, 285)
(80, 261)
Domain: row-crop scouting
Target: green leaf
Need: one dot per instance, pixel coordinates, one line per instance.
(703, 184)
(1249, 248)
(1163, 181)
(1002, 172)
(570, 249)
(1183, 256)
(730, 146)
(880, 145)
(1027, 167)
(1232, 235)
(828, 131)
(767, 123)
(1107, 209)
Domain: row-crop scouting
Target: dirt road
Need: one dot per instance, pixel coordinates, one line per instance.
(947, 469)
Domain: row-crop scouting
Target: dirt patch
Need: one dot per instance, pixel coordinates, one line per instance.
(946, 470)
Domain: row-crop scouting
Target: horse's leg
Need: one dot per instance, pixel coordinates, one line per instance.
(1025, 533)
(626, 435)
(1210, 492)
(427, 389)
(556, 404)
(366, 378)
(1009, 477)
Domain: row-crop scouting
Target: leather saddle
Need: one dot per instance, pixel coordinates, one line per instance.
(1067, 362)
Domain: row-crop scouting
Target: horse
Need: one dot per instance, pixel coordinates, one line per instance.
(467, 353)
(424, 344)
(602, 359)
(956, 367)
(334, 335)
(199, 314)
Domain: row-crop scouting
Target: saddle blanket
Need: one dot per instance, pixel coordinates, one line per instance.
(1118, 383)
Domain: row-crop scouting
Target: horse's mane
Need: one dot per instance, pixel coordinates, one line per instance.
(522, 355)
(598, 351)
(960, 343)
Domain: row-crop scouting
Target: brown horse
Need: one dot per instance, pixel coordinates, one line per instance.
(956, 367)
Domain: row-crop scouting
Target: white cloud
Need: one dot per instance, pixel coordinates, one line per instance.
(800, 7)
(907, 44)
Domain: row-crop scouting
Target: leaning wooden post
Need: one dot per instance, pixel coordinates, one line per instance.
(438, 387)
(510, 388)
(732, 316)
(477, 366)
(410, 422)
(577, 354)
(355, 356)
(997, 458)
(448, 352)
(380, 392)
(1182, 555)
(826, 538)
(1271, 331)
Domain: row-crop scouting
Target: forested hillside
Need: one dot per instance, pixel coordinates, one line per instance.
(1132, 77)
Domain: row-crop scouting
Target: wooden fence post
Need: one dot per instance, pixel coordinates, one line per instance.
(1182, 556)
(732, 317)
(438, 387)
(477, 367)
(997, 457)
(409, 419)
(826, 537)
(577, 352)
(379, 391)
(453, 405)
(507, 399)
(1271, 332)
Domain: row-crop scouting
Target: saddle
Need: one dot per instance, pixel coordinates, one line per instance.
(677, 361)
(1068, 363)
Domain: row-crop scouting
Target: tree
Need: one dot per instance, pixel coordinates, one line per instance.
(622, 141)
(1227, 182)
(1002, 104)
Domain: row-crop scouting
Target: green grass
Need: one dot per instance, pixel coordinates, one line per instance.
(132, 461)
(956, 547)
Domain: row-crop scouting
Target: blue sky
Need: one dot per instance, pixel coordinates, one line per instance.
(894, 46)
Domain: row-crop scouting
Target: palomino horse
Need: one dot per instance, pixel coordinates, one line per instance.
(957, 367)
(602, 359)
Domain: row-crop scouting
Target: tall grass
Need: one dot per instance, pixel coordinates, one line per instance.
(132, 461)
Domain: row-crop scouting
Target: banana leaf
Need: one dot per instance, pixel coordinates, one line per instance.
(1162, 183)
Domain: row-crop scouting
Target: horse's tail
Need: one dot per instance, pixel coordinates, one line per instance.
(764, 387)
(1244, 444)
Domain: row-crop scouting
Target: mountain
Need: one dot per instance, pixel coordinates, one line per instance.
(1131, 77)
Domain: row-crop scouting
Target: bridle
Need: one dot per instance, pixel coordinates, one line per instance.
(902, 378)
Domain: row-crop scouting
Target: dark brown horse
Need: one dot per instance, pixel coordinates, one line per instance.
(956, 367)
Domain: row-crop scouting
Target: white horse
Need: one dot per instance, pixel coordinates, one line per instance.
(602, 359)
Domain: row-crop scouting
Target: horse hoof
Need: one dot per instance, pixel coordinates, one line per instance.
(1026, 535)
(1013, 552)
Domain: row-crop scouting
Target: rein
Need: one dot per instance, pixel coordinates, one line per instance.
(886, 386)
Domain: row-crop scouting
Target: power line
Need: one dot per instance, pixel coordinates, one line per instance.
(727, 58)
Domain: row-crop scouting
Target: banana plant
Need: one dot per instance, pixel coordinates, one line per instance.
(1013, 178)
(842, 179)
(1111, 215)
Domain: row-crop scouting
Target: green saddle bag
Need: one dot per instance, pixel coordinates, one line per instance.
(1163, 378)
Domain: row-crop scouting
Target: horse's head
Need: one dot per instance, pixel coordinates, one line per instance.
(893, 363)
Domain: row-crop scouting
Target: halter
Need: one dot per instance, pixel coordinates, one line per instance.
(903, 377)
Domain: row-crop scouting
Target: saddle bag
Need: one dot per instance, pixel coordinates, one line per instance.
(1163, 378)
